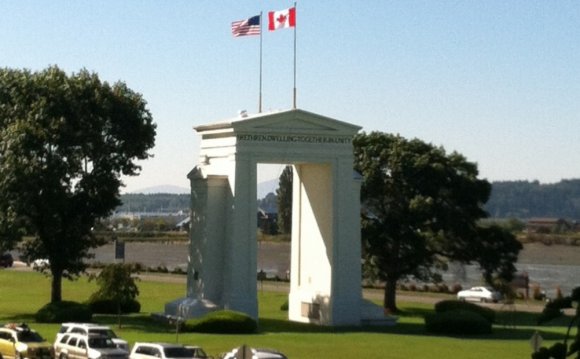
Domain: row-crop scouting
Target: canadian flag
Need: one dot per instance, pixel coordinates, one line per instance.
(281, 19)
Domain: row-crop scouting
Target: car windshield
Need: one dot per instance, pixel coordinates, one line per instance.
(178, 352)
(106, 332)
(28, 336)
(101, 342)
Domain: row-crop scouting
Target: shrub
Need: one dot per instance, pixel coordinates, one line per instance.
(560, 303)
(108, 306)
(223, 322)
(575, 296)
(548, 314)
(455, 288)
(553, 309)
(457, 322)
(451, 305)
(64, 311)
(284, 306)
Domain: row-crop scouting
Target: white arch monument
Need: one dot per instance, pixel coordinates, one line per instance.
(325, 279)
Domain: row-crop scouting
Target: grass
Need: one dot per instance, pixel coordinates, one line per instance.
(23, 293)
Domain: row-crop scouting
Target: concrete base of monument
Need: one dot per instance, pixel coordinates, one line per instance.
(372, 314)
(189, 307)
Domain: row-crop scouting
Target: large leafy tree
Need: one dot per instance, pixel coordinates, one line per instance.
(65, 142)
(421, 208)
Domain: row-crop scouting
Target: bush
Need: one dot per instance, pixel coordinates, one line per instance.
(108, 306)
(553, 309)
(548, 314)
(223, 322)
(560, 303)
(64, 311)
(451, 305)
(457, 322)
(455, 288)
(284, 306)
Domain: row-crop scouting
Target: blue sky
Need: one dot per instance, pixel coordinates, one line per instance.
(498, 81)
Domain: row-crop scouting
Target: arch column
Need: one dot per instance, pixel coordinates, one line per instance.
(240, 284)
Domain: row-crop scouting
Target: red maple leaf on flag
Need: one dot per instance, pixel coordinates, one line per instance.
(282, 18)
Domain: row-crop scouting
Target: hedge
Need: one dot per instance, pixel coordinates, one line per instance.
(448, 305)
(458, 321)
(223, 321)
(64, 311)
(107, 306)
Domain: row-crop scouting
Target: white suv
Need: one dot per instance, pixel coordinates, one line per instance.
(166, 351)
(90, 328)
(78, 346)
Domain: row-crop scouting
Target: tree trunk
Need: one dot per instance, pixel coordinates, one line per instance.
(390, 299)
(56, 287)
(119, 313)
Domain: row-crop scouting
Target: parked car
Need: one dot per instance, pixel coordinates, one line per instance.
(482, 294)
(166, 351)
(90, 328)
(18, 341)
(40, 264)
(256, 353)
(92, 346)
(6, 260)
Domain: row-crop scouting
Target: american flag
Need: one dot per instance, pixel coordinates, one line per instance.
(246, 27)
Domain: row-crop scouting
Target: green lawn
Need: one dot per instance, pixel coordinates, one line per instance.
(23, 293)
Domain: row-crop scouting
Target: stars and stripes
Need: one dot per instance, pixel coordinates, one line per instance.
(247, 27)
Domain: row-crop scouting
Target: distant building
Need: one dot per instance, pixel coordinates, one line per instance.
(550, 225)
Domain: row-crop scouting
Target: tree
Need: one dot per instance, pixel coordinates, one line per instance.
(284, 193)
(116, 284)
(65, 141)
(420, 209)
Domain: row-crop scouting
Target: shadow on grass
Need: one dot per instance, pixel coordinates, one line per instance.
(508, 326)
(141, 322)
(18, 318)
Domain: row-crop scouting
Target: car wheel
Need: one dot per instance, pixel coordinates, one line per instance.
(63, 356)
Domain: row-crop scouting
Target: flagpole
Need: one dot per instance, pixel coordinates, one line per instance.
(294, 102)
(260, 96)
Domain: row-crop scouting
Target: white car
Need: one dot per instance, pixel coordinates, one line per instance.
(166, 351)
(255, 353)
(78, 346)
(90, 329)
(481, 294)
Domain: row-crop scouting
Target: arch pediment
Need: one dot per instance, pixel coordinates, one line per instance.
(283, 122)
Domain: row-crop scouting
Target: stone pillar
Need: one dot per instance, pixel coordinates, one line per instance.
(240, 284)
(346, 264)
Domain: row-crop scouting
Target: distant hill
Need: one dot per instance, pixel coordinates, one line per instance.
(524, 199)
(267, 187)
(162, 189)
(171, 199)
(509, 199)
(154, 202)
